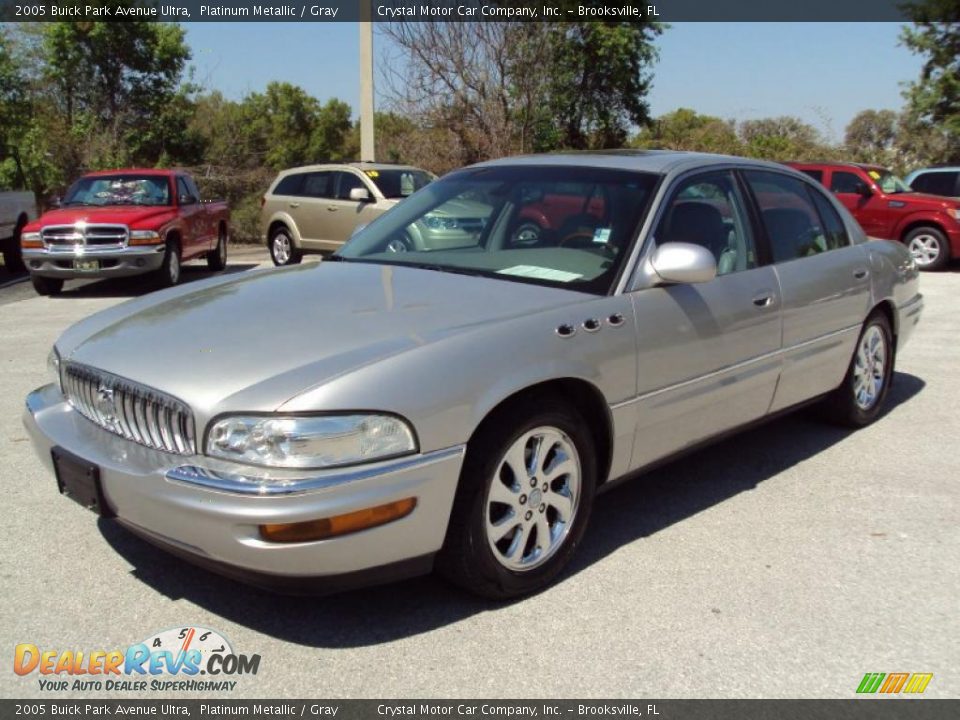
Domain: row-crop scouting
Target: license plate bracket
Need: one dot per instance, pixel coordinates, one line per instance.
(80, 481)
(86, 265)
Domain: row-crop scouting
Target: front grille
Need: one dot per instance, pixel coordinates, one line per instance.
(85, 234)
(130, 410)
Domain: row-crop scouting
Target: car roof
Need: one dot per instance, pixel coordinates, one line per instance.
(361, 166)
(937, 168)
(654, 161)
(133, 171)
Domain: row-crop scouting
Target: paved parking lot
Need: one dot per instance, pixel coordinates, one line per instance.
(785, 562)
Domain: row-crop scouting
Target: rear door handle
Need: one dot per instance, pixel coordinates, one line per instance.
(763, 299)
(860, 273)
(294, 205)
(332, 208)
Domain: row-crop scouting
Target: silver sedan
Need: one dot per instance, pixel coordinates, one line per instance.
(458, 407)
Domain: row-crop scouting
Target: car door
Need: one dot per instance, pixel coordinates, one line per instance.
(205, 226)
(309, 210)
(343, 214)
(191, 241)
(867, 206)
(708, 352)
(824, 281)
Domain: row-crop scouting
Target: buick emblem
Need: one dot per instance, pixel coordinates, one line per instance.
(106, 406)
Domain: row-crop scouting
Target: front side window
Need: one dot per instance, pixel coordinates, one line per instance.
(119, 190)
(847, 183)
(789, 216)
(707, 210)
(581, 223)
(346, 182)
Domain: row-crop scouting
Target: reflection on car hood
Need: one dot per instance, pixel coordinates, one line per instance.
(271, 334)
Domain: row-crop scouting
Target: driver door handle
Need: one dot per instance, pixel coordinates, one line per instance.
(332, 208)
(763, 299)
(860, 273)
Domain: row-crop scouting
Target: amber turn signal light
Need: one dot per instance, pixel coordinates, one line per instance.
(338, 524)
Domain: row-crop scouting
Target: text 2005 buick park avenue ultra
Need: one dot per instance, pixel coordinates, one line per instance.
(458, 408)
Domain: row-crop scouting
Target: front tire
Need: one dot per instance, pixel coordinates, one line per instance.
(282, 249)
(859, 399)
(523, 502)
(217, 258)
(45, 285)
(928, 247)
(169, 272)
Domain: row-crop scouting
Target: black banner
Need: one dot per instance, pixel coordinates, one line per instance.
(461, 10)
(867, 709)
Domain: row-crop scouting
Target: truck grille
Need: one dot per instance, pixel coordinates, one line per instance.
(130, 410)
(85, 234)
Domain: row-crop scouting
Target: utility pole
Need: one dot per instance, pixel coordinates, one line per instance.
(367, 152)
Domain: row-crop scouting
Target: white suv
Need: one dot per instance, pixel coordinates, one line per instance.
(318, 207)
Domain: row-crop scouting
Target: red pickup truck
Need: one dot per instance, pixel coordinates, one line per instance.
(117, 223)
(886, 207)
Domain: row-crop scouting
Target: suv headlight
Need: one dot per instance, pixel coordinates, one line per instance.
(317, 441)
(53, 367)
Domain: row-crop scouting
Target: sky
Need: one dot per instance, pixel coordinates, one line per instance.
(825, 73)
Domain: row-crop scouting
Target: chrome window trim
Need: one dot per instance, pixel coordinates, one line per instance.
(240, 484)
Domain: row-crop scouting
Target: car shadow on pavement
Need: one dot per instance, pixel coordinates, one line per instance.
(137, 285)
(639, 508)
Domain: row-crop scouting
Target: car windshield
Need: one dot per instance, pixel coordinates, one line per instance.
(888, 182)
(119, 190)
(400, 183)
(562, 226)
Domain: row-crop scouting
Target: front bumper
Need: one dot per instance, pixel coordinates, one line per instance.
(116, 262)
(218, 528)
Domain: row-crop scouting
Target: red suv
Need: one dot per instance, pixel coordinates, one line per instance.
(886, 207)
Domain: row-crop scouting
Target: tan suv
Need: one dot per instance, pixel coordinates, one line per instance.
(318, 207)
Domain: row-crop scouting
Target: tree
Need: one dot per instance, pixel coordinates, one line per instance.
(685, 129)
(872, 137)
(933, 101)
(783, 138)
(13, 115)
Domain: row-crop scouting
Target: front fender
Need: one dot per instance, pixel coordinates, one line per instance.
(929, 217)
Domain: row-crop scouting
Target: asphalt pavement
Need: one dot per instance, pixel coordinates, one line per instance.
(784, 562)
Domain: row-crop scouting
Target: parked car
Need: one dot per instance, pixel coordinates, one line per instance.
(943, 181)
(118, 223)
(886, 207)
(459, 408)
(16, 210)
(318, 207)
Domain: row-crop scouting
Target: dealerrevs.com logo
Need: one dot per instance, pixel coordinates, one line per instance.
(179, 659)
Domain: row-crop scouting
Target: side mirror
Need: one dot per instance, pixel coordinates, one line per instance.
(186, 199)
(683, 263)
(360, 194)
(864, 191)
(56, 201)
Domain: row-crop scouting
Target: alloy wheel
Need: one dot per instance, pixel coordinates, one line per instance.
(869, 368)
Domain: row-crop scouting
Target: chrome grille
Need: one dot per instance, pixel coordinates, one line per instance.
(85, 234)
(130, 410)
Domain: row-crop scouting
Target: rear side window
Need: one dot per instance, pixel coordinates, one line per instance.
(318, 185)
(815, 174)
(789, 216)
(290, 185)
(847, 182)
(937, 183)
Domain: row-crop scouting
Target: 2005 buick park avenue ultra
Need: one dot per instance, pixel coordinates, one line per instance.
(458, 408)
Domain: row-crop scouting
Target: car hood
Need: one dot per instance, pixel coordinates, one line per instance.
(256, 340)
(111, 214)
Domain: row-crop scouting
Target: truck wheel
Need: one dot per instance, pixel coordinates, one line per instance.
(282, 249)
(12, 258)
(168, 274)
(928, 247)
(45, 285)
(217, 258)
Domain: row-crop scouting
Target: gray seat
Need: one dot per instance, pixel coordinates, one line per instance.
(702, 224)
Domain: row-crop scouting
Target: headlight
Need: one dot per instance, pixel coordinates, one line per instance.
(53, 367)
(145, 237)
(316, 441)
(31, 240)
(435, 222)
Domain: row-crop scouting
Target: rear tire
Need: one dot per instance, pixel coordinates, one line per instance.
(45, 285)
(859, 399)
(511, 534)
(928, 247)
(283, 251)
(217, 258)
(168, 274)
